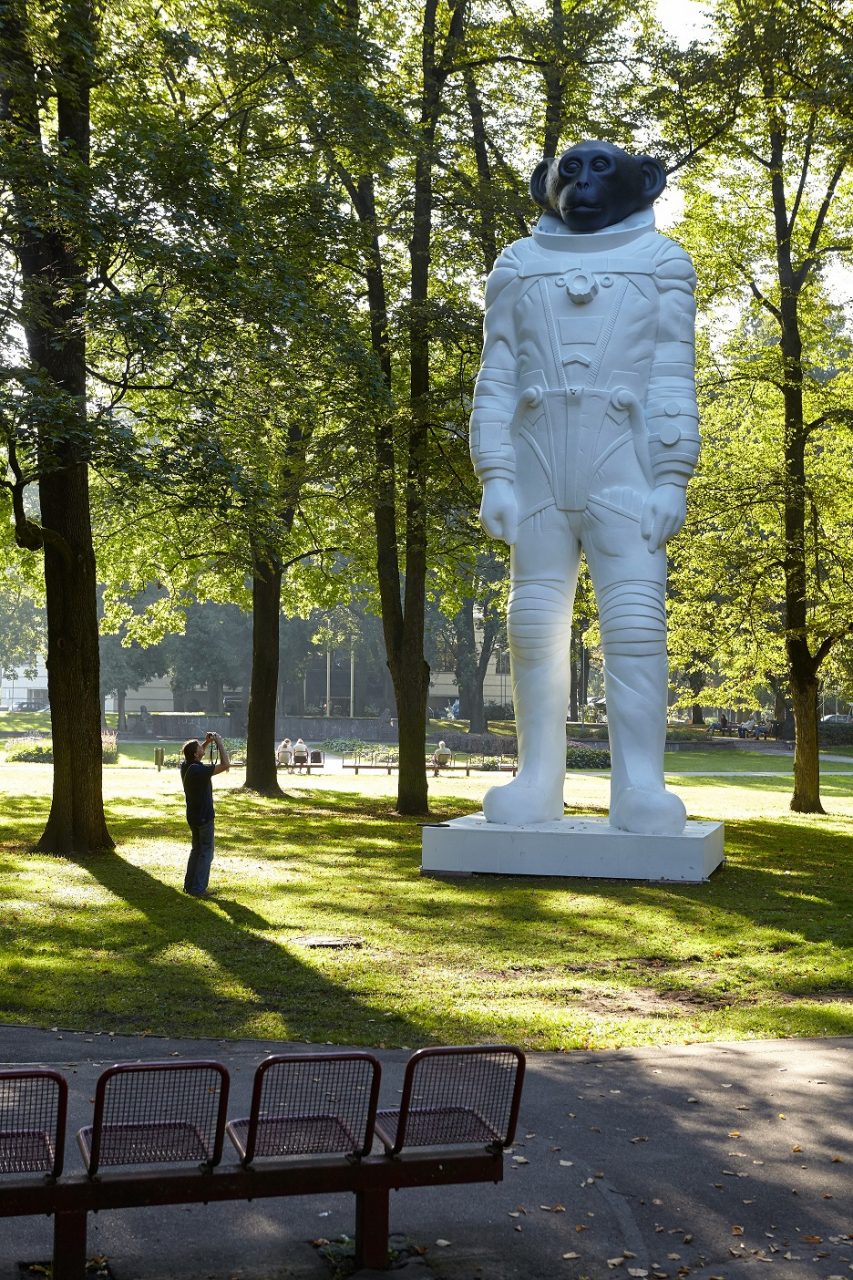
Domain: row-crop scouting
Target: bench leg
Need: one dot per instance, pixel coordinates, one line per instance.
(69, 1245)
(371, 1228)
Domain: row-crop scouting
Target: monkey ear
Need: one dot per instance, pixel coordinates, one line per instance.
(654, 177)
(539, 182)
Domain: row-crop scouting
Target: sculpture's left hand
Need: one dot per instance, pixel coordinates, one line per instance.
(663, 515)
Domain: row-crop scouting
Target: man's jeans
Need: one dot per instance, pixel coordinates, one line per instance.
(201, 856)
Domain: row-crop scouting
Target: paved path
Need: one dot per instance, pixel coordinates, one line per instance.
(705, 1160)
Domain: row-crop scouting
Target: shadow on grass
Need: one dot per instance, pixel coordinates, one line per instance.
(115, 939)
(147, 956)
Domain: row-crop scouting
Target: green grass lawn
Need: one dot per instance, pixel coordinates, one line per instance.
(24, 722)
(112, 944)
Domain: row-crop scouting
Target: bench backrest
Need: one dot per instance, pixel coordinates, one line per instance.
(33, 1108)
(308, 1104)
(469, 1094)
(157, 1112)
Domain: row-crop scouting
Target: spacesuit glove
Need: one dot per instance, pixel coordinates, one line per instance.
(664, 513)
(499, 510)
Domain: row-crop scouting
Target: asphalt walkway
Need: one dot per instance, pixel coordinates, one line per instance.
(710, 1161)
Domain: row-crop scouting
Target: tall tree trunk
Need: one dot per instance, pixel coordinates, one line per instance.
(470, 686)
(553, 73)
(261, 773)
(214, 697)
(403, 604)
(408, 665)
(802, 667)
(121, 714)
(696, 681)
(53, 271)
(76, 823)
(575, 663)
(805, 685)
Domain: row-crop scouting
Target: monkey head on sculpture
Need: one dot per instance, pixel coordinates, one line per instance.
(595, 184)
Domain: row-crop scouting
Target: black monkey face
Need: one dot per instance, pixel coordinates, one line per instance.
(597, 185)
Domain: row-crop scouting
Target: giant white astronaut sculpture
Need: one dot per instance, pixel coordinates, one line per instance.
(584, 434)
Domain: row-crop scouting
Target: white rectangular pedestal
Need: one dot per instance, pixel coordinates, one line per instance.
(587, 847)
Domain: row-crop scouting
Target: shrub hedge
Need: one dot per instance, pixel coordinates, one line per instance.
(835, 735)
(587, 758)
(30, 751)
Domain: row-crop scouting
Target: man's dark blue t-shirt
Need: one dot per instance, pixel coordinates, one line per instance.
(198, 790)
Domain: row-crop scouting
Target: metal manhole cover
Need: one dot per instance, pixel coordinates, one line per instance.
(328, 941)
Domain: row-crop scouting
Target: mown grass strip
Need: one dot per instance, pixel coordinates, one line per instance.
(112, 943)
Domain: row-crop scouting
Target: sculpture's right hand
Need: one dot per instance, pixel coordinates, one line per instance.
(499, 510)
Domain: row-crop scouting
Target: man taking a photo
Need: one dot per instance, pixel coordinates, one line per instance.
(196, 777)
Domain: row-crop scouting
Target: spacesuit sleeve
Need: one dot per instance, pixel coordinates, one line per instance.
(496, 390)
(672, 416)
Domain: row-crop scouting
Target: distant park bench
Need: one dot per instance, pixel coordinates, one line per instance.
(724, 731)
(372, 760)
(310, 1130)
(475, 764)
(292, 762)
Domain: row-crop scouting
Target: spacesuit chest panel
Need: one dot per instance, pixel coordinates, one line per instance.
(587, 327)
(581, 334)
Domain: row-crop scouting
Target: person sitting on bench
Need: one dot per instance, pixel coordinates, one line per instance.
(284, 755)
(300, 753)
(441, 756)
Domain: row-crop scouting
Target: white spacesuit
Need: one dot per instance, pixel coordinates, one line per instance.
(584, 433)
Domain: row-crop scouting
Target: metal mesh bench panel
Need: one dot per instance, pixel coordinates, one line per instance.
(456, 1096)
(296, 1135)
(157, 1112)
(310, 1104)
(150, 1143)
(33, 1106)
(438, 1127)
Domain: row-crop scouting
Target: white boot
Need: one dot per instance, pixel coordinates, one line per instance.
(636, 717)
(540, 692)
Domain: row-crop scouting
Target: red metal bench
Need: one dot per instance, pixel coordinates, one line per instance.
(456, 1097)
(157, 1113)
(33, 1109)
(310, 1130)
(310, 1104)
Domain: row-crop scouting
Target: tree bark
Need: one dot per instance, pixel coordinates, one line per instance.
(261, 771)
(802, 668)
(467, 668)
(53, 273)
(76, 822)
(806, 797)
(553, 73)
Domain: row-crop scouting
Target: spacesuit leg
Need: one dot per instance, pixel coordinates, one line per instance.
(630, 585)
(545, 562)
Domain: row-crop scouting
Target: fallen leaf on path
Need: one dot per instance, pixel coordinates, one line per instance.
(737, 1231)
